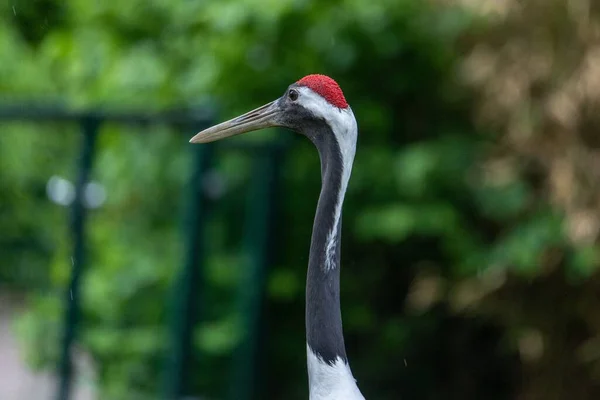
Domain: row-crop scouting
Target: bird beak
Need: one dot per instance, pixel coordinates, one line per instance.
(262, 117)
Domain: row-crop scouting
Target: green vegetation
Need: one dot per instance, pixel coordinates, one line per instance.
(470, 221)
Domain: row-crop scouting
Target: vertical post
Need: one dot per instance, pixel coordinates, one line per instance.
(186, 297)
(260, 211)
(90, 127)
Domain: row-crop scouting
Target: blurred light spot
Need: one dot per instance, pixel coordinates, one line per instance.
(94, 195)
(425, 291)
(479, 66)
(60, 191)
(466, 295)
(562, 107)
(584, 227)
(492, 279)
(497, 8)
(531, 345)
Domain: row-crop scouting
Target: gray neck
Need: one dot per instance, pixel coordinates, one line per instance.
(323, 315)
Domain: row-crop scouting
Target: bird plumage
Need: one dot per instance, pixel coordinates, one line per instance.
(316, 107)
(330, 381)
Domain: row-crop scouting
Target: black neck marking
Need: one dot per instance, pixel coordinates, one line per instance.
(324, 332)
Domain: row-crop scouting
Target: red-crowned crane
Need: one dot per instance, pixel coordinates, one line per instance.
(315, 107)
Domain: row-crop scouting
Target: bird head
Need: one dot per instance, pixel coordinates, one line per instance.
(314, 106)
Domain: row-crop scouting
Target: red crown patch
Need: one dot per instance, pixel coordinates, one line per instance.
(326, 88)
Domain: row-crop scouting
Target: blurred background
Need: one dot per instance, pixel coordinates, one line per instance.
(136, 266)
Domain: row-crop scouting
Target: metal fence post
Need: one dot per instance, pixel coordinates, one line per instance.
(72, 296)
(260, 211)
(186, 294)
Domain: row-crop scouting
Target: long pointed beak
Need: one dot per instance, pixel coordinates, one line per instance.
(262, 117)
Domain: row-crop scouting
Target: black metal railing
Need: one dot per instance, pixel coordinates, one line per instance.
(188, 285)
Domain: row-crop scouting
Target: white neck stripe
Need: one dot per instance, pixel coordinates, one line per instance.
(343, 126)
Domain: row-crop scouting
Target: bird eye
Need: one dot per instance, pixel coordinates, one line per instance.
(293, 95)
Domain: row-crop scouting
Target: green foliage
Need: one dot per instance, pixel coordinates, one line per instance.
(416, 196)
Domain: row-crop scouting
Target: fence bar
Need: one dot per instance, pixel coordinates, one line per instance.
(187, 288)
(90, 130)
(260, 211)
(28, 112)
(187, 296)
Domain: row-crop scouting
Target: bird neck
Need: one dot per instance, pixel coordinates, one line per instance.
(327, 362)
(323, 314)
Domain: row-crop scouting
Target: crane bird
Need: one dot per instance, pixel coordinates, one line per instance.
(315, 107)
